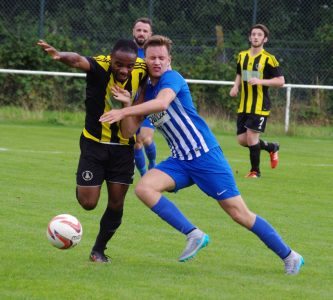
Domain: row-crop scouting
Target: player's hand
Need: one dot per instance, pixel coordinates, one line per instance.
(49, 49)
(121, 95)
(234, 91)
(254, 81)
(112, 116)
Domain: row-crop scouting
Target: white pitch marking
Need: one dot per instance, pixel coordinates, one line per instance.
(36, 151)
(233, 160)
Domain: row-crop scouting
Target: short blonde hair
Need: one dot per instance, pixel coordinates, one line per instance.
(158, 40)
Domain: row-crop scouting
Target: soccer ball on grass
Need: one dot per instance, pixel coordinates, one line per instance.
(64, 231)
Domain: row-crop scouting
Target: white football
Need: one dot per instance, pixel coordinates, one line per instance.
(64, 231)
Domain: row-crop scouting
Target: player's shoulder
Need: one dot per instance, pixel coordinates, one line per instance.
(140, 64)
(271, 58)
(103, 60)
(244, 52)
(172, 75)
(268, 54)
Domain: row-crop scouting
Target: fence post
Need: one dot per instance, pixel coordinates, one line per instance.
(254, 12)
(151, 9)
(287, 116)
(41, 19)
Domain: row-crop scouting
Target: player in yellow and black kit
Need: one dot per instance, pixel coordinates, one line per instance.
(256, 71)
(105, 153)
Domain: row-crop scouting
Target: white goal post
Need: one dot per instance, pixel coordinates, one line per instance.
(287, 86)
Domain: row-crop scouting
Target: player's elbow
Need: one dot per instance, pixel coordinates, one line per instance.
(164, 106)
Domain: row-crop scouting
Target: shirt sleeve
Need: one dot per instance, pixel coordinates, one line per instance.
(272, 70)
(239, 69)
(98, 64)
(173, 80)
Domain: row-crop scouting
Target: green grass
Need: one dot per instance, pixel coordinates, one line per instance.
(38, 165)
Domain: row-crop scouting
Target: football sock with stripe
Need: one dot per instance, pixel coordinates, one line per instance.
(167, 211)
(270, 237)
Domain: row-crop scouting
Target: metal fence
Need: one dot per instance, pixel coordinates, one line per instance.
(301, 31)
(207, 37)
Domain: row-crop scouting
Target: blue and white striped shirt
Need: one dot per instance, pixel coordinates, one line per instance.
(186, 133)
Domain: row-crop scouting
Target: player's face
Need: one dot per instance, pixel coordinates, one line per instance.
(158, 60)
(122, 64)
(257, 38)
(141, 33)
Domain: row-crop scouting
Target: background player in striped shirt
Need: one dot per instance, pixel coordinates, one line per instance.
(142, 30)
(256, 71)
(196, 158)
(106, 155)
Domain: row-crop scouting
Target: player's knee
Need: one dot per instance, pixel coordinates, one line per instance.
(242, 142)
(142, 190)
(244, 218)
(116, 204)
(87, 204)
(87, 201)
(148, 140)
(138, 145)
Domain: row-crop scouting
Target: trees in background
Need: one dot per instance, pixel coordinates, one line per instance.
(207, 36)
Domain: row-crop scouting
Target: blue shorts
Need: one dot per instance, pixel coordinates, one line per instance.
(146, 123)
(210, 172)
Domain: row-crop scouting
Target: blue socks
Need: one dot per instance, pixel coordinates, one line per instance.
(167, 211)
(270, 237)
(151, 154)
(140, 161)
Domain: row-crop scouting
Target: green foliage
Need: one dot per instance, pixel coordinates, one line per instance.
(36, 92)
(211, 65)
(301, 38)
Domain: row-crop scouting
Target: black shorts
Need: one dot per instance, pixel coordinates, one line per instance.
(251, 121)
(99, 162)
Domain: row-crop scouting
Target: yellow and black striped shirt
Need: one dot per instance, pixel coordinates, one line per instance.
(98, 98)
(255, 98)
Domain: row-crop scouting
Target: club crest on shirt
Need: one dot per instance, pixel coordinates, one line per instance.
(157, 119)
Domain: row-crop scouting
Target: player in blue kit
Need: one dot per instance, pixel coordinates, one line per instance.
(196, 157)
(142, 31)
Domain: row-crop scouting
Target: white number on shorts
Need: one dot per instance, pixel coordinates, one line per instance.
(262, 119)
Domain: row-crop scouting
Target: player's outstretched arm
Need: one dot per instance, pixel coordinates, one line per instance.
(160, 103)
(71, 59)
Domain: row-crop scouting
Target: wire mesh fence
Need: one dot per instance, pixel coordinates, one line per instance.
(207, 35)
(301, 31)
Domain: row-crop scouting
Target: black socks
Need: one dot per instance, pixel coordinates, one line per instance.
(109, 223)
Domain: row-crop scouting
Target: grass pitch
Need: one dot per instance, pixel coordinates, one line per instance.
(38, 165)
